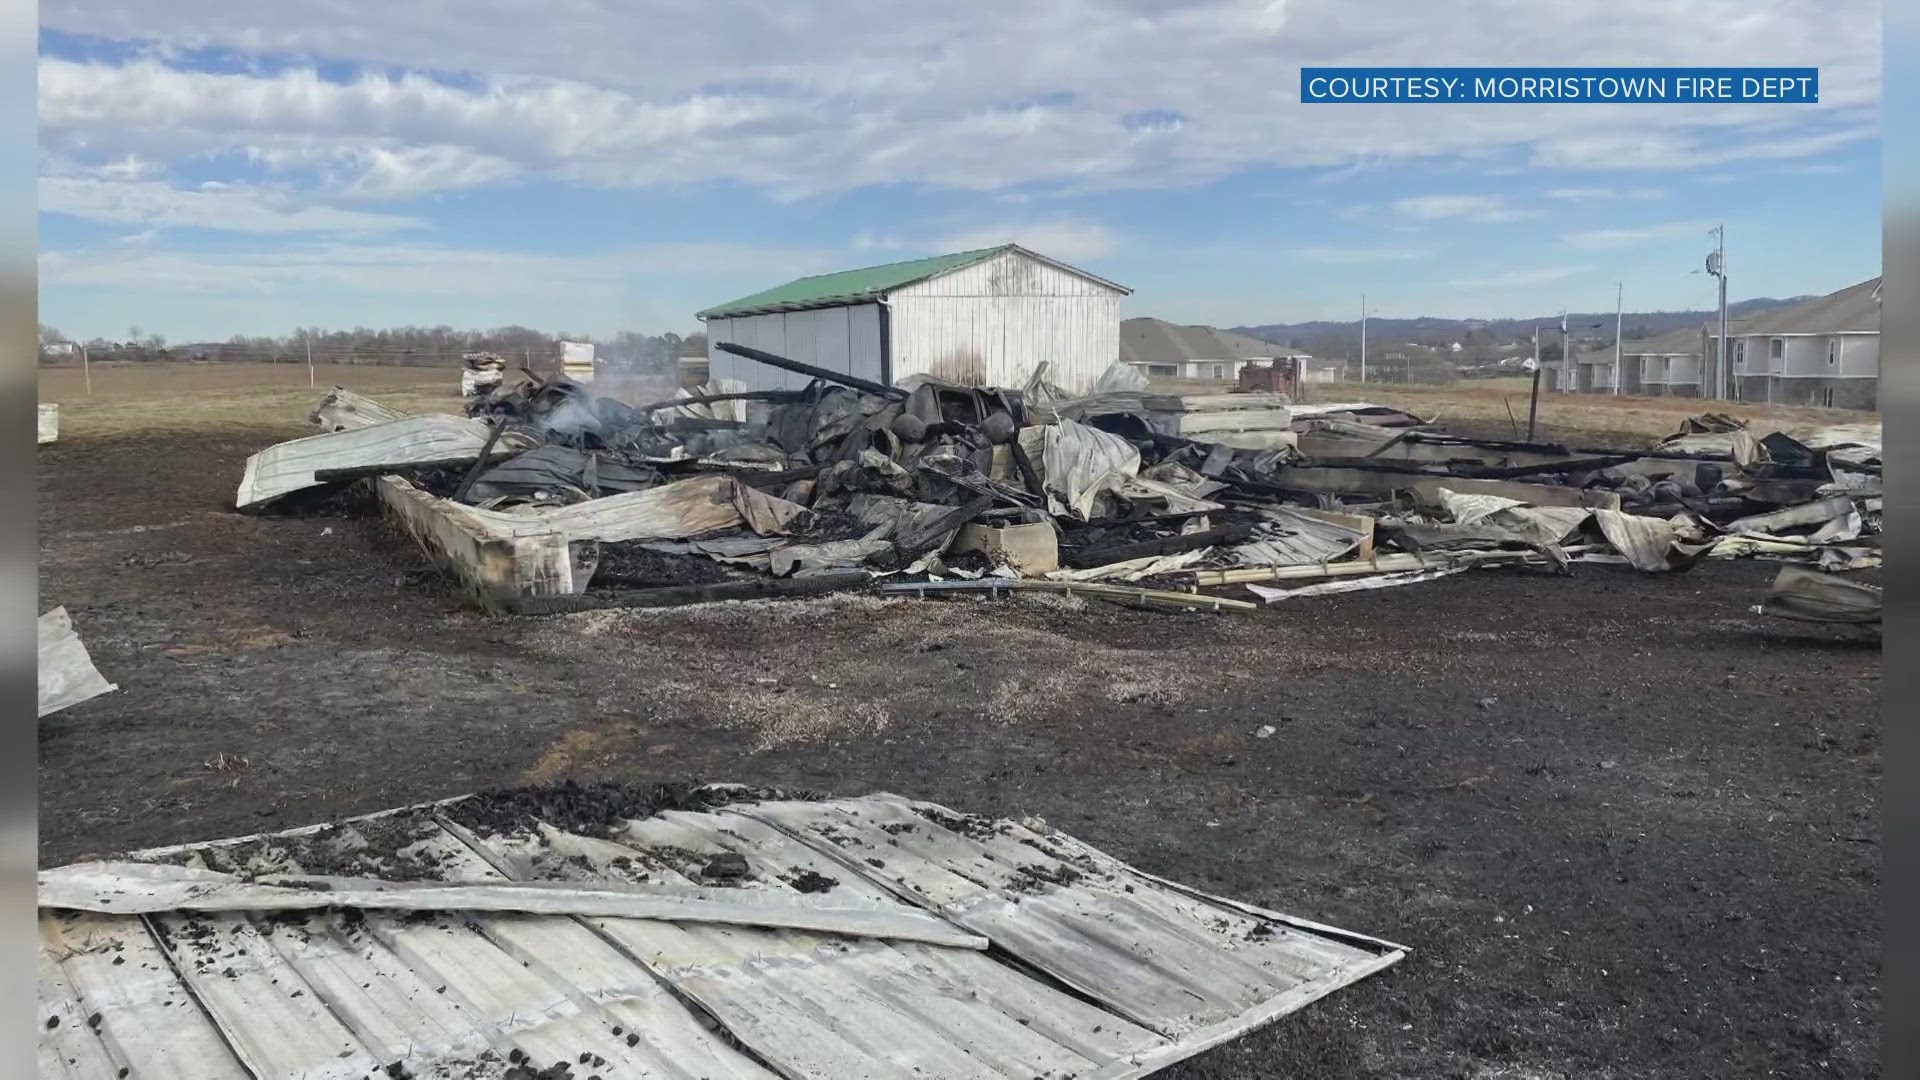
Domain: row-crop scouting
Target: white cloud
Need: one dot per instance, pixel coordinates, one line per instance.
(410, 269)
(1591, 194)
(267, 286)
(1482, 208)
(1064, 240)
(416, 170)
(1615, 239)
(826, 98)
(233, 208)
(1677, 150)
(1355, 254)
(1509, 279)
(1060, 241)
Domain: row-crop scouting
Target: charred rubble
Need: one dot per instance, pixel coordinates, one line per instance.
(1146, 498)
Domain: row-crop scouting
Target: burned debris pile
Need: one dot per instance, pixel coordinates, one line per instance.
(548, 497)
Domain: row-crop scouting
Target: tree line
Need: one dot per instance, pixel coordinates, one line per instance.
(412, 346)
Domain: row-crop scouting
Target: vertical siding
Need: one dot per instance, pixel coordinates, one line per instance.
(990, 324)
(1861, 360)
(1806, 357)
(845, 339)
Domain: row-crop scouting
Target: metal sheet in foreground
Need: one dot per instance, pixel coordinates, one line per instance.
(1098, 969)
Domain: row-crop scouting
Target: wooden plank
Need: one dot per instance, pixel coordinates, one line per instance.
(1361, 523)
(499, 571)
(1195, 423)
(1393, 563)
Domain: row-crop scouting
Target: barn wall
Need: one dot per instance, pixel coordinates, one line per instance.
(844, 339)
(990, 324)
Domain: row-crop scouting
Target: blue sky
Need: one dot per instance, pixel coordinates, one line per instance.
(214, 167)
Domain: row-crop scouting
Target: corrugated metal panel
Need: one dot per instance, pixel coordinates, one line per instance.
(290, 466)
(844, 339)
(990, 323)
(1158, 972)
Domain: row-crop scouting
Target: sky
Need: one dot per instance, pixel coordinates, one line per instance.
(220, 167)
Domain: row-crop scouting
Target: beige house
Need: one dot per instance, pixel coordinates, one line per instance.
(1158, 347)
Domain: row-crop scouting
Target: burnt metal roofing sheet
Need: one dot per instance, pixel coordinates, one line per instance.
(1098, 969)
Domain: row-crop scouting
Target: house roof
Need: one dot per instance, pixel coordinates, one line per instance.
(1853, 310)
(1157, 341)
(869, 283)
(1673, 342)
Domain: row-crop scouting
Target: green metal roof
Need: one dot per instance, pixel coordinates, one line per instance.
(848, 286)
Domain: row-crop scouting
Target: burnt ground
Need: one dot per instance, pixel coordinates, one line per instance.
(1628, 828)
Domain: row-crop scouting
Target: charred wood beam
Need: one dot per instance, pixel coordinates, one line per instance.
(1472, 469)
(677, 595)
(361, 472)
(480, 465)
(1025, 464)
(707, 399)
(1084, 558)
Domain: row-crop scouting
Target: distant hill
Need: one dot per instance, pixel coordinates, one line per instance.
(1483, 338)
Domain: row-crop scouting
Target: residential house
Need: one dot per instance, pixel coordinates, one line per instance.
(1316, 369)
(1664, 366)
(979, 318)
(1158, 347)
(1825, 351)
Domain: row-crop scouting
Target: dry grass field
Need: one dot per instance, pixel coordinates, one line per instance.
(130, 399)
(1497, 408)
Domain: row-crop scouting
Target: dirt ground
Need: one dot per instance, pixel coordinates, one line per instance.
(1628, 828)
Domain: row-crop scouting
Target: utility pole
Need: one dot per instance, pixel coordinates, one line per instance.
(86, 369)
(309, 361)
(1717, 266)
(1566, 356)
(1619, 291)
(1533, 395)
(1363, 337)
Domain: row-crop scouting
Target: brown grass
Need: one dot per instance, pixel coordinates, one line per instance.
(192, 398)
(1483, 404)
(563, 756)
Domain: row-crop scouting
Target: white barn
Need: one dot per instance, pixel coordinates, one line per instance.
(980, 318)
